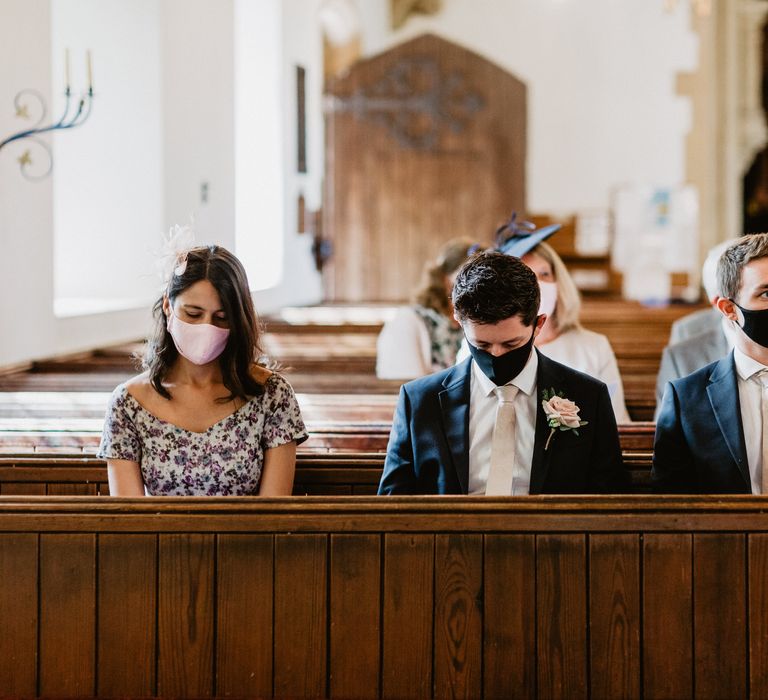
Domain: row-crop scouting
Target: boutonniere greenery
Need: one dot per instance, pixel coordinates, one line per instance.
(561, 413)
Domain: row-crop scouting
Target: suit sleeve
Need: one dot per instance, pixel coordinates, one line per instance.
(668, 371)
(608, 474)
(673, 470)
(399, 476)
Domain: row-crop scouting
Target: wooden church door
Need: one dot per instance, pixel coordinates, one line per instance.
(424, 143)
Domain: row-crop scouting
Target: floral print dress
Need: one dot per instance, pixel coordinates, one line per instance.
(444, 337)
(225, 460)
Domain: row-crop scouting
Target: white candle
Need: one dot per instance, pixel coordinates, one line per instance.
(66, 68)
(90, 69)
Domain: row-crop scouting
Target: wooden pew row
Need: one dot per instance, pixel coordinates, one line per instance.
(340, 471)
(324, 474)
(366, 598)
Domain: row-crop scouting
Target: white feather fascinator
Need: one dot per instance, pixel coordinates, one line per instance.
(172, 256)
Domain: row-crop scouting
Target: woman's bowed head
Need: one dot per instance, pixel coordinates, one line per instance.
(203, 419)
(562, 413)
(206, 314)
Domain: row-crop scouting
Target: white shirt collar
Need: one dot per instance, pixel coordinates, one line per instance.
(525, 381)
(746, 367)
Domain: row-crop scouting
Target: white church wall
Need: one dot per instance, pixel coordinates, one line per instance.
(26, 211)
(108, 192)
(601, 76)
(272, 38)
(197, 59)
(30, 329)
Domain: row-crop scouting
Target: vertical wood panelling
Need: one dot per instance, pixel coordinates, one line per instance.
(509, 616)
(127, 615)
(244, 594)
(458, 616)
(720, 614)
(186, 616)
(614, 616)
(409, 569)
(18, 614)
(67, 615)
(561, 616)
(758, 615)
(354, 618)
(72, 489)
(667, 616)
(10, 488)
(391, 199)
(301, 606)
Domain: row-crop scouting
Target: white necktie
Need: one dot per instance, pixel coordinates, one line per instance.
(762, 377)
(500, 473)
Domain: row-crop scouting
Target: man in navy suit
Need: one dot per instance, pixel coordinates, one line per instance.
(450, 434)
(712, 429)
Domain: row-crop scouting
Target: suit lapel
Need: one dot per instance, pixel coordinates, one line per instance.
(454, 407)
(546, 378)
(723, 395)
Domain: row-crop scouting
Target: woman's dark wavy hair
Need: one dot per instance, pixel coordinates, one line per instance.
(227, 275)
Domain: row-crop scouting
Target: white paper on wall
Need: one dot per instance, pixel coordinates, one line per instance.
(655, 234)
(593, 232)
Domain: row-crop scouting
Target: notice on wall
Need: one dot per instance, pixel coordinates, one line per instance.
(655, 234)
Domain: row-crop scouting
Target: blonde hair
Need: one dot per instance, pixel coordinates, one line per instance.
(431, 292)
(568, 308)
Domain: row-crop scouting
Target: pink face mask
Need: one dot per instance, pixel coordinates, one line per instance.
(548, 298)
(200, 343)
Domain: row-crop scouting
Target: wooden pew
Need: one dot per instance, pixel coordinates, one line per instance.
(327, 350)
(399, 597)
(327, 466)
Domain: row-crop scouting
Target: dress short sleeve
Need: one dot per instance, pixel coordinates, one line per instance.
(282, 422)
(120, 437)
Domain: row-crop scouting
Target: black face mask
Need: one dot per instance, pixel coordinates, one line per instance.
(500, 370)
(755, 324)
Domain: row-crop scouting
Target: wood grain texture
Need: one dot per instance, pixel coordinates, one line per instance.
(407, 618)
(389, 201)
(301, 615)
(355, 615)
(667, 616)
(720, 614)
(18, 614)
(757, 547)
(244, 593)
(561, 614)
(186, 615)
(67, 615)
(614, 615)
(127, 620)
(509, 616)
(458, 616)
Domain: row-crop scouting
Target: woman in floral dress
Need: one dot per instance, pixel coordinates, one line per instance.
(203, 419)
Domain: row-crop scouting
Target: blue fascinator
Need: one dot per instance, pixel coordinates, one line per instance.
(517, 238)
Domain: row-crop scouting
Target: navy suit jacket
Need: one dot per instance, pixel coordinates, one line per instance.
(428, 450)
(699, 446)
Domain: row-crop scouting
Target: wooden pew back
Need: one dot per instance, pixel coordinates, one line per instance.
(398, 597)
(337, 460)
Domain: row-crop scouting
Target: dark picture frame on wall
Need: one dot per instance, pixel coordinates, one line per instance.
(301, 120)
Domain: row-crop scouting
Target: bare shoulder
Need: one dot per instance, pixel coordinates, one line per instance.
(140, 387)
(260, 374)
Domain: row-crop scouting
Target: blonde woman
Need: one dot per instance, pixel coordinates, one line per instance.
(424, 337)
(563, 338)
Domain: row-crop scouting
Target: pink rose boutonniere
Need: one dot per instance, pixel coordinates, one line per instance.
(562, 413)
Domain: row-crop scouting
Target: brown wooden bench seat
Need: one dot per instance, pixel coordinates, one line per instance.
(384, 597)
(343, 461)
